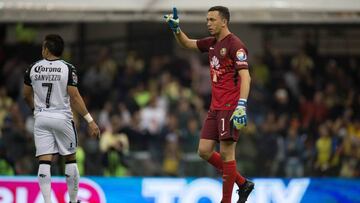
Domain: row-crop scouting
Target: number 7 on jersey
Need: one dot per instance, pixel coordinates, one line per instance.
(48, 94)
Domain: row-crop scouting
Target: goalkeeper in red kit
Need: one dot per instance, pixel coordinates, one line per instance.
(230, 89)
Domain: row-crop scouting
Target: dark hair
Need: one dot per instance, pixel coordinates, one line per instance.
(55, 44)
(223, 11)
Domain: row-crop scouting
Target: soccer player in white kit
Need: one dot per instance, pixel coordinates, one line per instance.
(50, 89)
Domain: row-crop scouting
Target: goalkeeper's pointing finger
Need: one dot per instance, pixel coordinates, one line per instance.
(175, 13)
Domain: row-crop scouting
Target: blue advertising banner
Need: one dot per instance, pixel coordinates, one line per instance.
(181, 190)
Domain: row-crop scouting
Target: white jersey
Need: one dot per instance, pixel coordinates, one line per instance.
(49, 80)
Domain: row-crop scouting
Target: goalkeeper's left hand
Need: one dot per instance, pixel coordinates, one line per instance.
(173, 21)
(239, 115)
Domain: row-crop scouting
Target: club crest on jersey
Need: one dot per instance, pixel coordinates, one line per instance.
(214, 63)
(241, 55)
(223, 51)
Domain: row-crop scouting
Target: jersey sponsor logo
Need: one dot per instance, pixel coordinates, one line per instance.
(223, 51)
(215, 62)
(241, 55)
(40, 69)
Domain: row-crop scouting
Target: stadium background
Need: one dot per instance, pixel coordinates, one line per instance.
(149, 97)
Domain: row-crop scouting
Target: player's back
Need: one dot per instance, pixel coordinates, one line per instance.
(49, 80)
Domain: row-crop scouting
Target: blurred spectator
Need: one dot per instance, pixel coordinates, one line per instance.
(172, 156)
(190, 135)
(268, 137)
(201, 77)
(282, 103)
(98, 81)
(324, 152)
(13, 74)
(6, 166)
(260, 71)
(313, 112)
(302, 63)
(104, 115)
(171, 160)
(247, 150)
(152, 116)
(115, 149)
(294, 147)
(5, 104)
(80, 160)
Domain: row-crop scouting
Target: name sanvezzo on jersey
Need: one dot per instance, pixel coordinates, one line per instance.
(40, 69)
(47, 77)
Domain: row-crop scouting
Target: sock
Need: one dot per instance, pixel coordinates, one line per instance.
(229, 176)
(72, 180)
(217, 162)
(44, 178)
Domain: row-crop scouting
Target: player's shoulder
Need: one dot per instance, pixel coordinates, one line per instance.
(210, 39)
(69, 65)
(235, 40)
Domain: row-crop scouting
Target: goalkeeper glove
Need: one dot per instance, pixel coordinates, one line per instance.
(239, 115)
(173, 21)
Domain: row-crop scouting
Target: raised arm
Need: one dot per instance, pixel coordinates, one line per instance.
(182, 39)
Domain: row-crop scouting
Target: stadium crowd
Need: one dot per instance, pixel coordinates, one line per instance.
(304, 112)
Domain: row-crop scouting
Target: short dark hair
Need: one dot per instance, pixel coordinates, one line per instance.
(223, 11)
(55, 44)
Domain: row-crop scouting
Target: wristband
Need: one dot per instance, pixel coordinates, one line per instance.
(88, 118)
(242, 102)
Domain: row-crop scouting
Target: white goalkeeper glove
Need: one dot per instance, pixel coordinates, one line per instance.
(239, 117)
